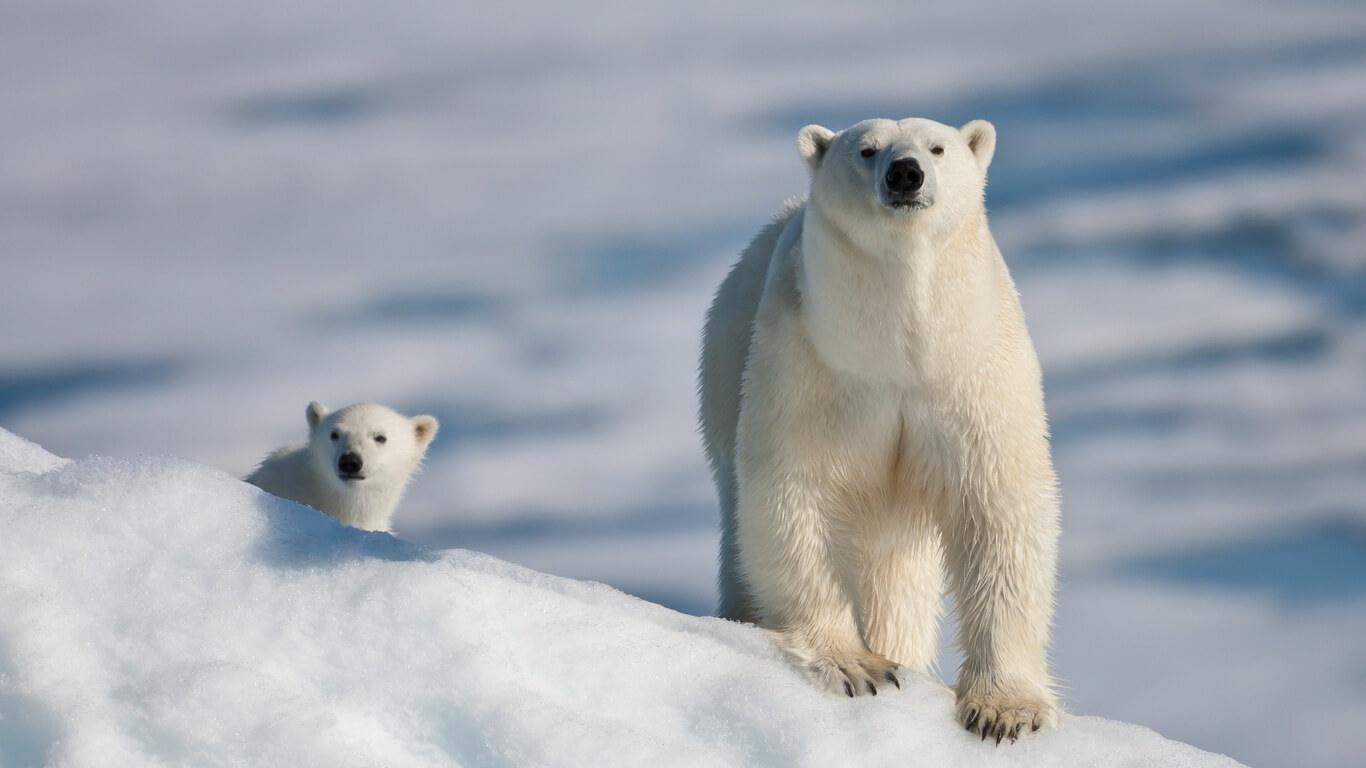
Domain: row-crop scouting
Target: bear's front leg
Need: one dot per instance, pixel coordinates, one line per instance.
(793, 570)
(1001, 547)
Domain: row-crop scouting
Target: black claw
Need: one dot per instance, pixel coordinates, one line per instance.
(891, 678)
(971, 724)
(1015, 732)
(848, 689)
(871, 688)
(986, 728)
(1035, 726)
(1000, 731)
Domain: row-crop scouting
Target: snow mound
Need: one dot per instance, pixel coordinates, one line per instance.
(159, 612)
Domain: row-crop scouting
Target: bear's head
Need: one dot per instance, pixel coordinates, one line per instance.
(367, 445)
(898, 171)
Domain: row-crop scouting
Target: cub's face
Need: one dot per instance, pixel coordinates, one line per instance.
(367, 444)
(897, 168)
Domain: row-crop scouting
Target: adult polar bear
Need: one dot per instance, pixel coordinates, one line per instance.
(871, 407)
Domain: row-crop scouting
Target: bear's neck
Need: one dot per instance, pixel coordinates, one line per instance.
(894, 299)
(369, 507)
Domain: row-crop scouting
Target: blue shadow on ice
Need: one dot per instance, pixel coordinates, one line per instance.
(20, 390)
(301, 537)
(1266, 249)
(1314, 565)
(1293, 347)
(424, 308)
(321, 106)
(646, 259)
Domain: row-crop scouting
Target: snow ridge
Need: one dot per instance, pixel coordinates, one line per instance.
(155, 611)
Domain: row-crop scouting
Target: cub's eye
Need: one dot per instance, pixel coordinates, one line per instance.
(868, 152)
(335, 436)
(381, 439)
(936, 150)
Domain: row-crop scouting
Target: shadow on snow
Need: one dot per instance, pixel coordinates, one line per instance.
(1308, 566)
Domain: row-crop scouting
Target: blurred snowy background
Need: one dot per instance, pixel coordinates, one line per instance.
(513, 215)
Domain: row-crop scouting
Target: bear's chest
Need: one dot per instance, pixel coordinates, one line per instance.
(912, 324)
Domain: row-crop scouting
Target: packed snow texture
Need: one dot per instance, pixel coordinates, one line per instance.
(512, 216)
(160, 612)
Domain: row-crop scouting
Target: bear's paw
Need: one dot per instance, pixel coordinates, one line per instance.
(1002, 716)
(858, 674)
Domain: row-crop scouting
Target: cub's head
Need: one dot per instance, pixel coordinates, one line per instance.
(367, 444)
(902, 169)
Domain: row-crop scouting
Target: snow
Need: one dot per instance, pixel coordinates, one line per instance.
(512, 216)
(155, 611)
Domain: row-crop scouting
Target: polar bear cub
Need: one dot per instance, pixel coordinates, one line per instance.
(356, 463)
(873, 411)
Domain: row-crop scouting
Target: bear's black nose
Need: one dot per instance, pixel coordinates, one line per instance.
(905, 176)
(349, 463)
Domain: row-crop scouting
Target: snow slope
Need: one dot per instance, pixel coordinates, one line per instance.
(159, 612)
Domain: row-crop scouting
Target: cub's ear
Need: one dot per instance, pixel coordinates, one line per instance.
(315, 413)
(981, 138)
(812, 143)
(424, 428)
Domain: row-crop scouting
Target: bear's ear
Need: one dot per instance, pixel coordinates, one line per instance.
(981, 138)
(315, 413)
(812, 142)
(424, 428)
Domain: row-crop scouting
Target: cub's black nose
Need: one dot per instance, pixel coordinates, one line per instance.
(905, 176)
(349, 463)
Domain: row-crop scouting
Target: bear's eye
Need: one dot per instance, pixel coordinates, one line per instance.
(936, 150)
(868, 152)
(381, 439)
(335, 436)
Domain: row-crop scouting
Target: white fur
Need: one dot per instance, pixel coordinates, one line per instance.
(388, 445)
(872, 409)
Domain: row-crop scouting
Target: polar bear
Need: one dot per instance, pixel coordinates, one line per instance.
(872, 409)
(356, 463)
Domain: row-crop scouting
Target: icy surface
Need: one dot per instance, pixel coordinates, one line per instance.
(159, 612)
(512, 215)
